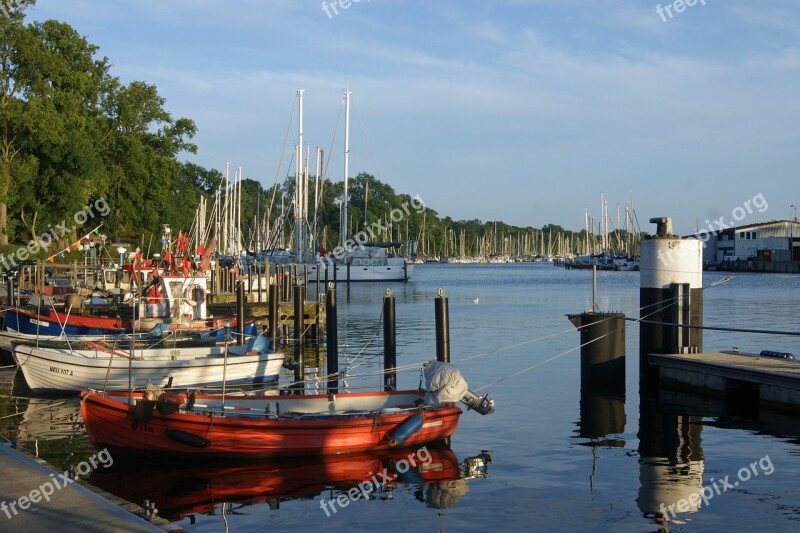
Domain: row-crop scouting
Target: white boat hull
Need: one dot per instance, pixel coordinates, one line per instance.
(64, 370)
(394, 271)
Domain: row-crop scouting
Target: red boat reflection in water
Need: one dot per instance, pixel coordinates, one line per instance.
(178, 490)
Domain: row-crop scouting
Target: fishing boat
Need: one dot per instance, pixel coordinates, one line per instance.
(107, 367)
(174, 302)
(189, 424)
(231, 426)
(158, 336)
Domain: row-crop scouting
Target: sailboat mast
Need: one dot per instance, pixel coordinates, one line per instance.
(345, 194)
(225, 215)
(298, 184)
(257, 221)
(239, 213)
(317, 200)
(586, 220)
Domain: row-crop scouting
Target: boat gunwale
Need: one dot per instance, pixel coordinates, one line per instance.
(323, 420)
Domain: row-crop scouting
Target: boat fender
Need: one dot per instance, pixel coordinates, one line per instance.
(411, 475)
(191, 439)
(405, 430)
(169, 402)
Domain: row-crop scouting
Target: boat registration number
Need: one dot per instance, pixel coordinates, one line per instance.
(61, 371)
(40, 323)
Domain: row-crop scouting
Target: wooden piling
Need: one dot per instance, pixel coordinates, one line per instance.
(389, 343)
(240, 315)
(273, 315)
(442, 328)
(299, 324)
(332, 337)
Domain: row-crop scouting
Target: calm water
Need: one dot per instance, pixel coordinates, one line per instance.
(559, 458)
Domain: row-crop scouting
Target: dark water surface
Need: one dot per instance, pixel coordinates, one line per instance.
(560, 459)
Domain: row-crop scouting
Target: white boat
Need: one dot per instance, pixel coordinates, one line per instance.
(369, 262)
(104, 367)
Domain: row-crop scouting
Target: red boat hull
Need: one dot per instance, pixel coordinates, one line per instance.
(52, 322)
(115, 425)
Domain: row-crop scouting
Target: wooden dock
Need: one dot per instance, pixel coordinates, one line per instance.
(313, 313)
(768, 381)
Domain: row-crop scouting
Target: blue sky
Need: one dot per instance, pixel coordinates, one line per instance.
(515, 110)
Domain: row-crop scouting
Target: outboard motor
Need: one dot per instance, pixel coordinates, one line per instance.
(443, 383)
(481, 404)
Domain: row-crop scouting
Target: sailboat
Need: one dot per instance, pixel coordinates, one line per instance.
(354, 259)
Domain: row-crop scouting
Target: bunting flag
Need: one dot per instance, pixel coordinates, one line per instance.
(205, 260)
(76, 245)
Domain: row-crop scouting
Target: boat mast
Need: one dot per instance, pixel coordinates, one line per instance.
(586, 220)
(225, 215)
(317, 200)
(343, 220)
(238, 228)
(298, 185)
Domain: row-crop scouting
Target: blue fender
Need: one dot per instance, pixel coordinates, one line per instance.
(401, 434)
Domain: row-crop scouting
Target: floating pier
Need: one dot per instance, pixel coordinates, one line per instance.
(766, 381)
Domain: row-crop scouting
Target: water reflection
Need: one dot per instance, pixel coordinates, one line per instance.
(47, 427)
(49, 419)
(602, 402)
(733, 414)
(602, 413)
(181, 490)
(672, 459)
(670, 462)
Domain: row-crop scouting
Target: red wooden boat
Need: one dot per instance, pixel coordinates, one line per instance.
(196, 425)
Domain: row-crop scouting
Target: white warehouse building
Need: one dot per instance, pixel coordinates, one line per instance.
(768, 241)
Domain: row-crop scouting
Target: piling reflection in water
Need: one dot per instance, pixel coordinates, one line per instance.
(671, 462)
(179, 490)
(602, 404)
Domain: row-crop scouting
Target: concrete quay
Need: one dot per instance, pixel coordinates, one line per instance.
(35, 497)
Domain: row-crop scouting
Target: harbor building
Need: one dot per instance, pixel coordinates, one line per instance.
(763, 247)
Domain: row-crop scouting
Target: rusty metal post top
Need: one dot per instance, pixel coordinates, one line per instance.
(663, 226)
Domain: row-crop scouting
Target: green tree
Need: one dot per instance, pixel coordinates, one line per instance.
(64, 143)
(140, 148)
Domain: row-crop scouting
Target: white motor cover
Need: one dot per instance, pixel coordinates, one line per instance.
(443, 383)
